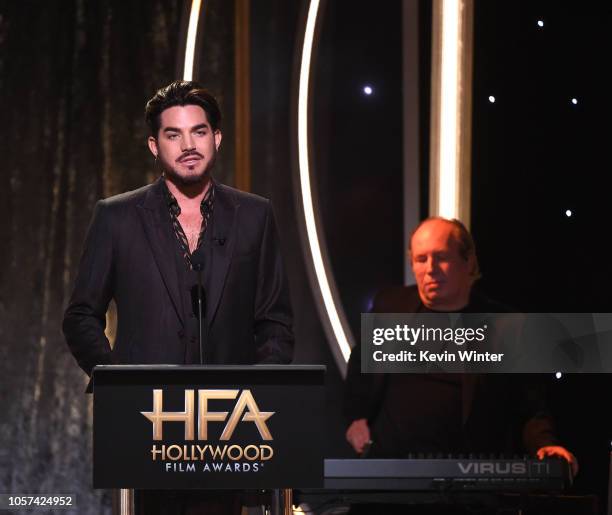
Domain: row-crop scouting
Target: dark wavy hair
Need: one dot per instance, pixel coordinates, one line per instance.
(181, 93)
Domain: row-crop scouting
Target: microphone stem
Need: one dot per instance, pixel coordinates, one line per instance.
(199, 269)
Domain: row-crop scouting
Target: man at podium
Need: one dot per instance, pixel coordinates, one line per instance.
(194, 266)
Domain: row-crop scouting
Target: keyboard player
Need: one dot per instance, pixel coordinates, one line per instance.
(392, 415)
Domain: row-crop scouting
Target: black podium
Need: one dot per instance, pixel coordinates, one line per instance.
(208, 427)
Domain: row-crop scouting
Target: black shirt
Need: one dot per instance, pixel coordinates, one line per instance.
(206, 210)
(188, 279)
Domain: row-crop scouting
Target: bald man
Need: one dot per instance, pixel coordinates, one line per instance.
(397, 414)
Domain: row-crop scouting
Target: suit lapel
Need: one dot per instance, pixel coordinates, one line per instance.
(222, 247)
(158, 231)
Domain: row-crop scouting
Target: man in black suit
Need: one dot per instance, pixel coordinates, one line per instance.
(141, 244)
(143, 249)
(402, 413)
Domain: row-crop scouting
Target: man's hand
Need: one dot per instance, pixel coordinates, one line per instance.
(358, 434)
(561, 452)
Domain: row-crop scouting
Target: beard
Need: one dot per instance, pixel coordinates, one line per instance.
(190, 178)
(185, 180)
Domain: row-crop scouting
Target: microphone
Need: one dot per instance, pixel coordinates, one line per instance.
(197, 263)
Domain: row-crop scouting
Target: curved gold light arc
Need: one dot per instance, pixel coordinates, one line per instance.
(332, 315)
(192, 33)
(451, 109)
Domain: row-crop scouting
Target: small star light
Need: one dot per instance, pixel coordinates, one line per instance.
(575, 101)
(368, 90)
(568, 213)
(492, 99)
(558, 375)
(540, 23)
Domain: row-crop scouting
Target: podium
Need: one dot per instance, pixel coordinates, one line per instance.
(158, 427)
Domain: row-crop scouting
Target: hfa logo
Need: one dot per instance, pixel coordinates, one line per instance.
(246, 402)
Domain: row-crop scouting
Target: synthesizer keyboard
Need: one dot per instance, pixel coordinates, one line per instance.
(500, 475)
(500, 484)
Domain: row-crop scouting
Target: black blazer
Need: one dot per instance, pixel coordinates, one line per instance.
(130, 256)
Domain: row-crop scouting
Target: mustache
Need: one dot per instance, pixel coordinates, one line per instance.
(190, 154)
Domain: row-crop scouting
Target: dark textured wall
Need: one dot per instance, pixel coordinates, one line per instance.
(74, 77)
(215, 69)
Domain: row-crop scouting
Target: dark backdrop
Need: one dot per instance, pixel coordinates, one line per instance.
(357, 148)
(537, 154)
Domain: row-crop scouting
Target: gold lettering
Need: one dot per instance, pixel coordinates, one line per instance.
(217, 453)
(263, 456)
(213, 416)
(177, 456)
(254, 456)
(201, 450)
(245, 407)
(246, 400)
(155, 451)
(158, 416)
(234, 447)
